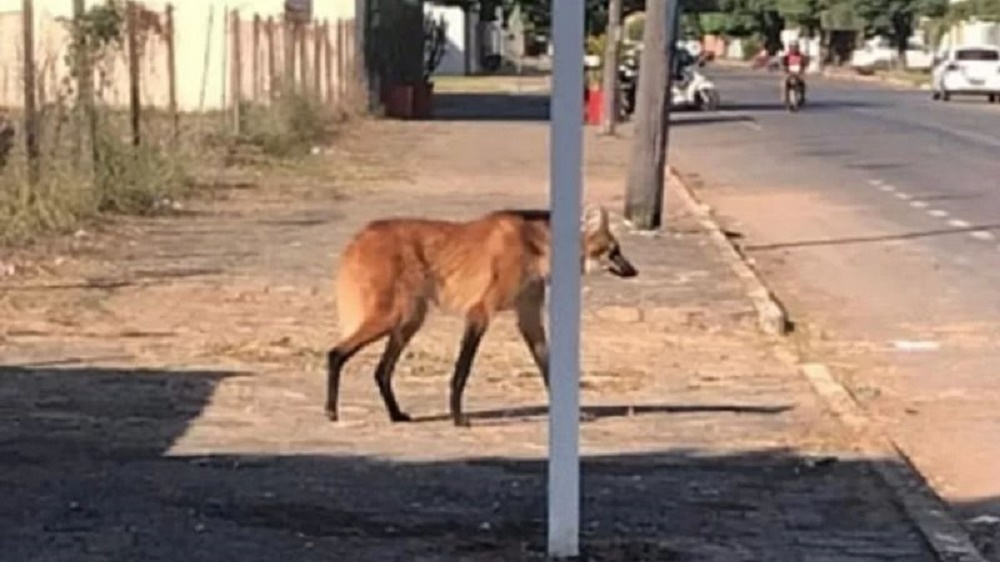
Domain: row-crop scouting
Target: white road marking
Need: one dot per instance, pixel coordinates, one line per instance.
(887, 188)
(903, 196)
(985, 235)
(938, 213)
(875, 183)
(918, 204)
(958, 223)
(960, 133)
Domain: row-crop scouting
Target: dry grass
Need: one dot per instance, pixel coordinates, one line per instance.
(149, 179)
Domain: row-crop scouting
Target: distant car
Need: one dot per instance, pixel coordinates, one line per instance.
(967, 71)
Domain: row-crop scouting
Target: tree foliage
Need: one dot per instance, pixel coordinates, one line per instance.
(755, 17)
(538, 13)
(986, 10)
(897, 19)
(806, 14)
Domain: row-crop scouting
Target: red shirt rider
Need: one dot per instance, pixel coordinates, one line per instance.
(794, 60)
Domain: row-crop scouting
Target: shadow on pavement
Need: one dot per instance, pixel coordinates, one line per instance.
(811, 105)
(468, 106)
(84, 477)
(681, 119)
(514, 415)
(870, 239)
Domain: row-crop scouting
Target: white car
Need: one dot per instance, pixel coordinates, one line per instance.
(967, 71)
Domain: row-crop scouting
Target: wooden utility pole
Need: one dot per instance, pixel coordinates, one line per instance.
(613, 37)
(30, 111)
(644, 191)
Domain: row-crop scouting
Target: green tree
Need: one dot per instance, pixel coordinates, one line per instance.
(755, 17)
(896, 19)
(806, 14)
(987, 10)
(729, 25)
(539, 12)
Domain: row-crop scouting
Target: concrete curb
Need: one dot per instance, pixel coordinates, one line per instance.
(771, 317)
(942, 533)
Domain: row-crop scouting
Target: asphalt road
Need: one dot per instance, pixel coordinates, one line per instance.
(875, 213)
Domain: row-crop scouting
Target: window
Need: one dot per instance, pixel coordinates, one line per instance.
(989, 55)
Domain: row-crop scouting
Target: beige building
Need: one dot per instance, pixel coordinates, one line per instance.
(203, 49)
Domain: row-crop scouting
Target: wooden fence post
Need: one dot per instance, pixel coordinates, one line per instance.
(226, 71)
(30, 111)
(133, 72)
(303, 38)
(172, 75)
(341, 61)
(255, 65)
(207, 59)
(351, 59)
(288, 37)
(328, 63)
(317, 61)
(272, 71)
(85, 87)
(237, 71)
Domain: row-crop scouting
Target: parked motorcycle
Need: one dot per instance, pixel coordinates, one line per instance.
(628, 80)
(690, 88)
(694, 89)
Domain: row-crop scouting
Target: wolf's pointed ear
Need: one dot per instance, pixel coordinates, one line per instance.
(595, 219)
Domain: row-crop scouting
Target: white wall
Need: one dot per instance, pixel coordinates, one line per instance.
(200, 38)
(972, 33)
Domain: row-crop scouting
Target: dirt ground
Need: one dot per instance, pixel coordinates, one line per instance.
(161, 386)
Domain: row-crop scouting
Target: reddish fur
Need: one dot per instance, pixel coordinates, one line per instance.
(394, 269)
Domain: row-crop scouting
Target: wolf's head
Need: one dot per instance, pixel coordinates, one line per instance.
(601, 249)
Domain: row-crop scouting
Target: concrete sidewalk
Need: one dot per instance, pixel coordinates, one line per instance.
(173, 411)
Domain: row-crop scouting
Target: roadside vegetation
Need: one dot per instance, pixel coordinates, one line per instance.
(92, 162)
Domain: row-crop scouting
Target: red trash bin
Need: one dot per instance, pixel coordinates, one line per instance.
(594, 101)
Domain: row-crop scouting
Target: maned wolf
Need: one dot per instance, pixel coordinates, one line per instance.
(393, 270)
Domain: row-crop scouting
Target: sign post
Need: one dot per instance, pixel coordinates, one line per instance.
(566, 178)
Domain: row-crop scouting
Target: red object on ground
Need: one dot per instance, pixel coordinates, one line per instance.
(423, 100)
(594, 106)
(398, 101)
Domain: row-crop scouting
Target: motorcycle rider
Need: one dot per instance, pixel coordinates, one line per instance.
(793, 62)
